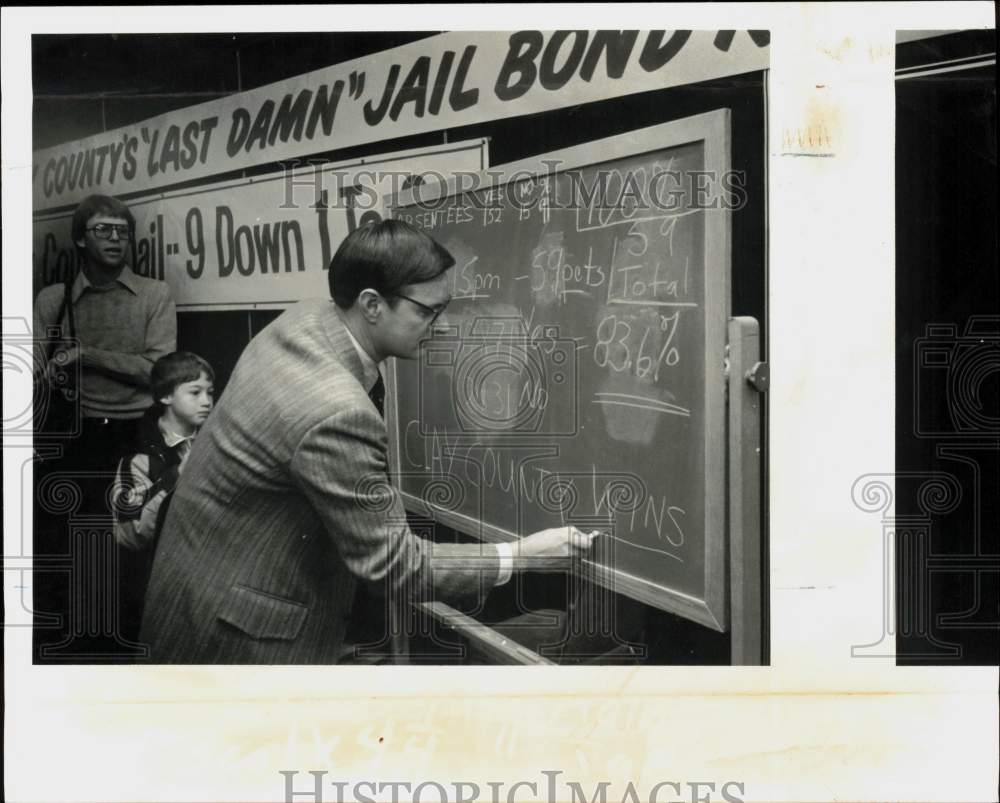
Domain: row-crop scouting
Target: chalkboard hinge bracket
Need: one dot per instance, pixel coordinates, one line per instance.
(758, 376)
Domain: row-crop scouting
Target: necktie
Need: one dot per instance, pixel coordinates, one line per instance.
(377, 395)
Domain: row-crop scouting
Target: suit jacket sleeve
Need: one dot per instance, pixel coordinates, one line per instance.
(341, 466)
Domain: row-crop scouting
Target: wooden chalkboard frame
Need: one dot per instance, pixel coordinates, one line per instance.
(713, 130)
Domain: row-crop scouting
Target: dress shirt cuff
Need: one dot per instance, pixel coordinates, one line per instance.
(506, 555)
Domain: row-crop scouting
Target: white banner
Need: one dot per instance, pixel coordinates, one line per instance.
(449, 80)
(267, 240)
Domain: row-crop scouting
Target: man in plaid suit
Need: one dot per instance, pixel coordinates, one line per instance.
(285, 503)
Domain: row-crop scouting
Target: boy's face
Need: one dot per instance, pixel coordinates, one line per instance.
(191, 402)
(106, 252)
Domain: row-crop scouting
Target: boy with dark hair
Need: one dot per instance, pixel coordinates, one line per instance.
(183, 386)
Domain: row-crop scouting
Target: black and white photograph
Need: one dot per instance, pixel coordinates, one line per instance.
(561, 306)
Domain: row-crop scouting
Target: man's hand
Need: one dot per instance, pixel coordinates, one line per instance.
(557, 548)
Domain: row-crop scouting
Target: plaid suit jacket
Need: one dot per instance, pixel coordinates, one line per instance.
(283, 505)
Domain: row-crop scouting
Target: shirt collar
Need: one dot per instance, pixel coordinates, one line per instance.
(171, 438)
(129, 280)
(368, 365)
(126, 279)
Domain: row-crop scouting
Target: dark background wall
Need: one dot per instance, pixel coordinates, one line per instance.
(87, 84)
(948, 607)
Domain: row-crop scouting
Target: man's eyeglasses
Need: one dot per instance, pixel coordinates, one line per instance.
(102, 231)
(433, 311)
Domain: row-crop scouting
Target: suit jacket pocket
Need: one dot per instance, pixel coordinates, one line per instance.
(262, 615)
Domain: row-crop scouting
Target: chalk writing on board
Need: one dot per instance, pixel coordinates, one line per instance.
(627, 506)
(640, 403)
(581, 377)
(541, 336)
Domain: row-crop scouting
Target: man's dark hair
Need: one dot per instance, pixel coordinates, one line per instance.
(175, 369)
(99, 205)
(385, 256)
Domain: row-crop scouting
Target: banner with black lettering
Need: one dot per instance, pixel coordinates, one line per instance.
(453, 79)
(266, 240)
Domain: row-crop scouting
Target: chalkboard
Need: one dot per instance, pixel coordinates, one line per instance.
(580, 375)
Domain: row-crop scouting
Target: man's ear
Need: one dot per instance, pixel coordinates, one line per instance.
(81, 243)
(370, 304)
(165, 400)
